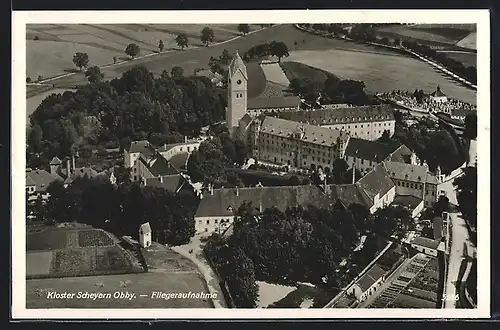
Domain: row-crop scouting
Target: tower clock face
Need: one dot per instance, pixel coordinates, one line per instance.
(238, 82)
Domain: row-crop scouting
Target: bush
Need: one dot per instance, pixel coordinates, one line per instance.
(28, 80)
(36, 38)
(40, 78)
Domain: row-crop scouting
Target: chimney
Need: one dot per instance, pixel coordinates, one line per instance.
(353, 174)
(161, 179)
(324, 183)
(185, 139)
(73, 161)
(237, 191)
(68, 168)
(260, 206)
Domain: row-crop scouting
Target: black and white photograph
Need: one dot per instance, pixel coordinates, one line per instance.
(312, 163)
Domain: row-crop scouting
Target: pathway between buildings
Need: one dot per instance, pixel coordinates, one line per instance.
(198, 258)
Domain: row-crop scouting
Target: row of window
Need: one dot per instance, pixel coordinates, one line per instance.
(239, 95)
(415, 186)
(216, 221)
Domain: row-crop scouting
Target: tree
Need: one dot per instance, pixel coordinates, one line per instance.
(94, 75)
(81, 60)
(244, 28)
(279, 49)
(207, 36)
(177, 72)
(132, 50)
(35, 139)
(471, 126)
(161, 46)
(182, 40)
(466, 187)
(114, 59)
(225, 57)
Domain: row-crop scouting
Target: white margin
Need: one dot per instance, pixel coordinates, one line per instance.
(20, 19)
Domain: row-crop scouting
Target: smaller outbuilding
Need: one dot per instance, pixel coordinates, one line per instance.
(145, 234)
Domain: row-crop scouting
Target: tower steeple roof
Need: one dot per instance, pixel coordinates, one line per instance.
(238, 64)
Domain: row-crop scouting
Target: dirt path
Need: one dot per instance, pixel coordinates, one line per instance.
(199, 259)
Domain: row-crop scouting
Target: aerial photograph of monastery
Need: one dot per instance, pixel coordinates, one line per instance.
(251, 166)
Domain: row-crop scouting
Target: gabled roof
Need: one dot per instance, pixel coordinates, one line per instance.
(310, 133)
(438, 92)
(341, 115)
(426, 242)
(224, 201)
(370, 277)
(41, 179)
(369, 150)
(291, 101)
(145, 228)
(81, 172)
(409, 201)
(245, 120)
(401, 155)
(348, 194)
(158, 165)
(171, 183)
(238, 64)
(55, 161)
(409, 172)
(377, 181)
(179, 160)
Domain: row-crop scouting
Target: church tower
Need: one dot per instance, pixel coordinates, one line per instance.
(237, 98)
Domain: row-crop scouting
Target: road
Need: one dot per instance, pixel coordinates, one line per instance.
(460, 248)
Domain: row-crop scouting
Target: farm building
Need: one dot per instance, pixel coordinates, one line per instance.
(37, 182)
(217, 208)
(368, 284)
(145, 235)
(366, 154)
(414, 180)
(414, 204)
(428, 246)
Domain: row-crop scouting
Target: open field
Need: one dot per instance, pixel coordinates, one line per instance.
(194, 58)
(383, 73)
(145, 284)
(469, 42)
(444, 35)
(275, 74)
(467, 59)
(50, 47)
(270, 293)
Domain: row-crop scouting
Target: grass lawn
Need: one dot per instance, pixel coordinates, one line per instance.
(145, 283)
(469, 42)
(271, 293)
(444, 36)
(467, 59)
(191, 59)
(383, 73)
(52, 53)
(303, 297)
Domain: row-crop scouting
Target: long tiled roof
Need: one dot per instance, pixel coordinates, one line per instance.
(461, 112)
(348, 194)
(369, 150)
(158, 165)
(273, 102)
(409, 172)
(179, 160)
(370, 277)
(345, 115)
(41, 179)
(312, 134)
(55, 161)
(224, 201)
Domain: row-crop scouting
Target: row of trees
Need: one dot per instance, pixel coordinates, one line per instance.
(208, 163)
(277, 246)
(431, 143)
(333, 90)
(134, 106)
(120, 209)
(273, 48)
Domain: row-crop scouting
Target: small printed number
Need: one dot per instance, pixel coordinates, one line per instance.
(456, 298)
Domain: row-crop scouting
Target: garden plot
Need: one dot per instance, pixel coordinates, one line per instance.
(383, 73)
(275, 74)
